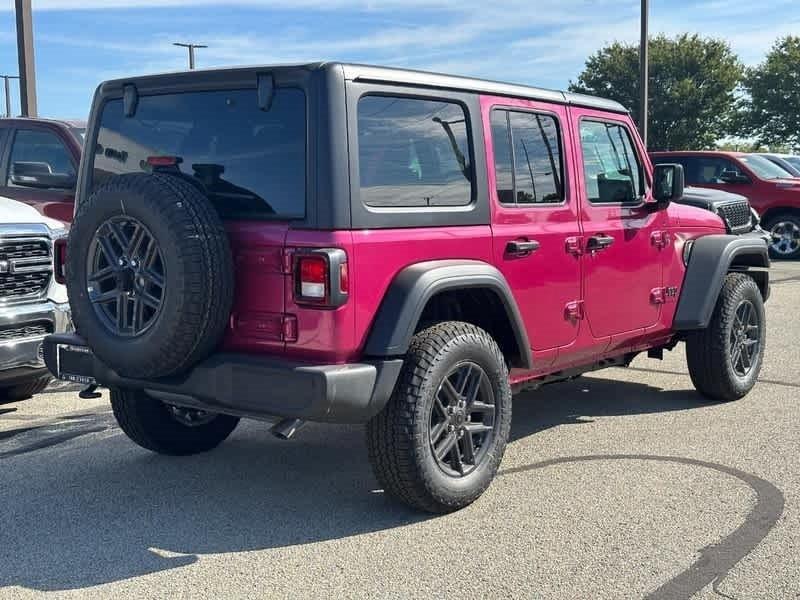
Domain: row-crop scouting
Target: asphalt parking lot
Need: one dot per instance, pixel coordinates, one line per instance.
(621, 484)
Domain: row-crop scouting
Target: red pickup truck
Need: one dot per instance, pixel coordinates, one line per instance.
(773, 192)
(39, 161)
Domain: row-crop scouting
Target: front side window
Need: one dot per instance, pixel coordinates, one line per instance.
(41, 152)
(250, 162)
(707, 170)
(413, 153)
(527, 156)
(612, 170)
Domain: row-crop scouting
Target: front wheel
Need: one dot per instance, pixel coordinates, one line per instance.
(725, 358)
(785, 231)
(168, 429)
(437, 444)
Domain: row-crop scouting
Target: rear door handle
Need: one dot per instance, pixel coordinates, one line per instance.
(522, 247)
(599, 242)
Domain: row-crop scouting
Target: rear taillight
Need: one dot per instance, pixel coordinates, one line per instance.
(321, 277)
(313, 271)
(60, 260)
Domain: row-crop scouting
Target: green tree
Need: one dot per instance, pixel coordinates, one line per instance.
(692, 85)
(771, 107)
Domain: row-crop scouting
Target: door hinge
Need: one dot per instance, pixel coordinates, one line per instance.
(660, 239)
(287, 260)
(574, 245)
(574, 311)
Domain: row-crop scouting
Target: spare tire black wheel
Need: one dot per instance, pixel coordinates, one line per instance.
(149, 274)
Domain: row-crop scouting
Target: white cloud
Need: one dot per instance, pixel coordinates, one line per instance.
(526, 41)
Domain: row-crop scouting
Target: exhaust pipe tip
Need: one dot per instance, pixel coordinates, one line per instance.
(286, 428)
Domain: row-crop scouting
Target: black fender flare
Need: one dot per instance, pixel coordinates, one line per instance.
(415, 285)
(712, 257)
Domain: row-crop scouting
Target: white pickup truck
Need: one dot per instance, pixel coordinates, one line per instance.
(32, 303)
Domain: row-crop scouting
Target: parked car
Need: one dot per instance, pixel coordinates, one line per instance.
(38, 163)
(734, 210)
(787, 162)
(32, 304)
(354, 244)
(770, 190)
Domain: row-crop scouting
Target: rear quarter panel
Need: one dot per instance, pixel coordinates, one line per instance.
(374, 258)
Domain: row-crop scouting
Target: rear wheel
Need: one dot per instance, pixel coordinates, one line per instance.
(168, 429)
(785, 231)
(438, 442)
(725, 358)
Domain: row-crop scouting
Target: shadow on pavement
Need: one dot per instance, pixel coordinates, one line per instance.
(104, 510)
(576, 402)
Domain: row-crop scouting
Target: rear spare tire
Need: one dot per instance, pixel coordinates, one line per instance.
(149, 274)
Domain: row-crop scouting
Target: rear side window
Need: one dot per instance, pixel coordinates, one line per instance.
(612, 170)
(527, 157)
(250, 162)
(40, 151)
(413, 153)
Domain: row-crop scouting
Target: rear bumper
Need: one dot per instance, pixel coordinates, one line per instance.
(258, 387)
(21, 358)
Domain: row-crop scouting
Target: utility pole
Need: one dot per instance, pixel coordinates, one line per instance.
(27, 67)
(7, 79)
(191, 48)
(644, 72)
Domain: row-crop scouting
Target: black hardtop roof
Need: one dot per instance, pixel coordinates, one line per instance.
(391, 75)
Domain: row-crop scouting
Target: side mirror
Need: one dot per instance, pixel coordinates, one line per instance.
(668, 183)
(40, 175)
(731, 176)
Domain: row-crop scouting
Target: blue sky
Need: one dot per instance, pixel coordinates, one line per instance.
(82, 42)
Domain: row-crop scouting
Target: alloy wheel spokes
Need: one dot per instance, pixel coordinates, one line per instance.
(745, 338)
(462, 419)
(785, 237)
(125, 276)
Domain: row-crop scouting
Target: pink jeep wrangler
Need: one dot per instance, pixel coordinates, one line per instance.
(354, 244)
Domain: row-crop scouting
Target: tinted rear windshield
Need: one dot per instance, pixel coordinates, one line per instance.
(250, 162)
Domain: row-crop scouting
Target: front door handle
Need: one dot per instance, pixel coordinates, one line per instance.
(521, 247)
(599, 242)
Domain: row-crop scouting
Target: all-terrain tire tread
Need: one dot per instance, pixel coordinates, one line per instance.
(200, 319)
(393, 446)
(707, 349)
